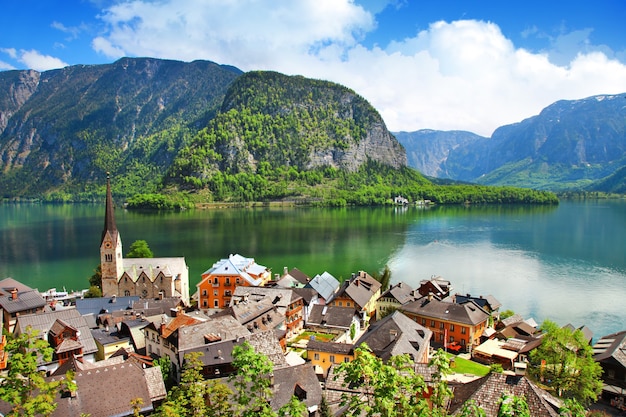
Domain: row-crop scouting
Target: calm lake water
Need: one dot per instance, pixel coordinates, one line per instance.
(565, 263)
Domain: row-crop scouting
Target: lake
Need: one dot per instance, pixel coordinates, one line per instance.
(566, 263)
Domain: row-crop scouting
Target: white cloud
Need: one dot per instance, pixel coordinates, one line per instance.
(39, 62)
(454, 75)
(11, 52)
(5, 66)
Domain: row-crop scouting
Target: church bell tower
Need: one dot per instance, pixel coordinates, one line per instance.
(111, 261)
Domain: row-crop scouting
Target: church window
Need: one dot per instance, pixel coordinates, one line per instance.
(126, 293)
(144, 293)
(108, 257)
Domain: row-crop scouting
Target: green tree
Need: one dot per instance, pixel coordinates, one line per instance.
(324, 409)
(24, 386)
(165, 363)
(385, 279)
(390, 389)
(572, 408)
(564, 362)
(471, 409)
(139, 249)
(252, 382)
(93, 292)
(441, 392)
(96, 279)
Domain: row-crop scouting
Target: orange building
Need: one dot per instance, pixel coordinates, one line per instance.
(218, 283)
(323, 355)
(450, 323)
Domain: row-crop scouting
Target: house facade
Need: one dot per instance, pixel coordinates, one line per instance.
(218, 283)
(450, 323)
(361, 292)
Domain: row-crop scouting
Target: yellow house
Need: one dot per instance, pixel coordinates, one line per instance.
(324, 354)
(108, 343)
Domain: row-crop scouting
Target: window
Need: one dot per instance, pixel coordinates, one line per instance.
(205, 293)
(216, 303)
(340, 304)
(441, 325)
(462, 342)
(144, 293)
(423, 322)
(441, 337)
(451, 327)
(108, 257)
(463, 330)
(205, 303)
(432, 323)
(346, 359)
(227, 280)
(451, 339)
(332, 358)
(126, 293)
(227, 293)
(215, 293)
(215, 281)
(347, 303)
(316, 356)
(237, 280)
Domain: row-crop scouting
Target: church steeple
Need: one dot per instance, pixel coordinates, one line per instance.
(109, 215)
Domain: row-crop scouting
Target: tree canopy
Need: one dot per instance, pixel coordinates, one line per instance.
(140, 249)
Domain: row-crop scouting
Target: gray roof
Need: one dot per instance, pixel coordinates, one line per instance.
(325, 285)
(110, 304)
(489, 301)
(108, 391)
(360, 288)
(150, 307)
(331, 316)
(280, 297)
(44, 321)
(402, 293)
(395, 335)
(611, 348)
(8, 284)
(26, 300)
(486, 392)
(107, 338)
(468, 313)
(299, 380)
(217, 328)
(330, 347)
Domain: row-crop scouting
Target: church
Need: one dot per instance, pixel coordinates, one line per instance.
(144, 277)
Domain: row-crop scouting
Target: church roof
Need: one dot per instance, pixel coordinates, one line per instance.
(152, 267)
(109, 215)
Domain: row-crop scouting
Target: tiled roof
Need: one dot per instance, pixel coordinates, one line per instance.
(395, 335)
(176, 323)
(8, 284)
(468, 313)
(612, 346)
(361, 288)
(108, 391)
(280, 297)
(152, 267)
(44, 321)
(402, 293)
(26, 300)
(226, 327)
(487, 391)
(331, 316)
(330, 347)
(300, 381)
(300, 276)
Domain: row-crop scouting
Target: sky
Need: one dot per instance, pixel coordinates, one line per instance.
(469, 65)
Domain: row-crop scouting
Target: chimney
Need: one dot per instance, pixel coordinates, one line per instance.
(285, 270)
(430, 296)
(14, 294)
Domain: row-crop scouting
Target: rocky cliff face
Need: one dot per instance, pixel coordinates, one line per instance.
(18, 87)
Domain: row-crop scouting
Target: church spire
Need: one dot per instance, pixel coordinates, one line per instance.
(109, 215)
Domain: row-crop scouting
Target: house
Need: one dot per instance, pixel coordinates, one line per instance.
(258, 316)
(144, 277)
(489, 303)
(396, 334)
(100, 305)
(323, 355)
(486, 392)
(437, 286)
(343, 322)
(107, 391)
(299, 381)
(361, 292)
(217, 357)
(397, 295)
(67, 332)
(109, 342)
(286, 301)
(218, 282)
(310, 297)
(19, 300)
(292, 279)
(325, 285)
(610, 353)
(450, 322)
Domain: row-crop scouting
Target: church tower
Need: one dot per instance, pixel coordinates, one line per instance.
(111, 261)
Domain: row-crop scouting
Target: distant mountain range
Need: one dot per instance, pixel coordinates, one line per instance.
(570, 145)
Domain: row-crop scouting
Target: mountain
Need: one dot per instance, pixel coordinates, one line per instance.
(63, 129)
(571, 144)
(143, 119)
(428, 150)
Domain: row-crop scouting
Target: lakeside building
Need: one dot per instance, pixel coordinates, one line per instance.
(215, 290)
(144, 277)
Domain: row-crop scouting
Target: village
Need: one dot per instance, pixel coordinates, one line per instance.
(307, 326)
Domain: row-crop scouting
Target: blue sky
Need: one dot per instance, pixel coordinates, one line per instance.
(440, 64)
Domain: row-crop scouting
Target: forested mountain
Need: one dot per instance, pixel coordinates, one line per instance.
(200, 132)
(62, 130)
(570, 145)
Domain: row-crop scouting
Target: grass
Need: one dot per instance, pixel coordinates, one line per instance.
(322, 337)
(465, 366)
